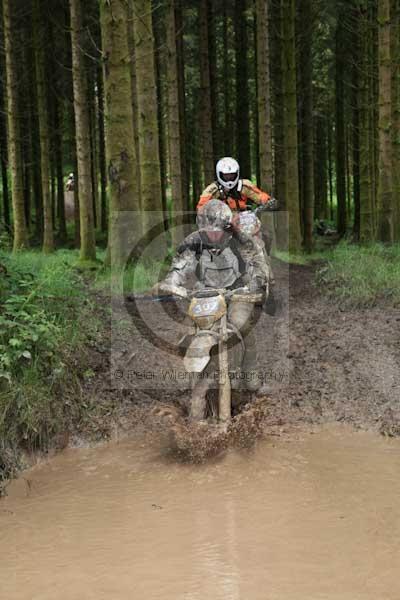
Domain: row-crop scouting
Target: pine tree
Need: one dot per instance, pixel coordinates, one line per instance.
(82, 123)
(205, 95)
(149, 150)
(341, 58)
(385, 181)
(176, 167)
(102, 152)
(278, 103)
(366, 228)
(306, 15)
(14, 134)
(39, 29)
(242, 89)
(264, 95)
(120, 142)
(290, 124)
(395, 65)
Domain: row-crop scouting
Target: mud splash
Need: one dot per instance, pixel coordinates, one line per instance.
(310, 515)
(198, 442)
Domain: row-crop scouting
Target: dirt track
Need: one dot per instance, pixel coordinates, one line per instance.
(319, 363)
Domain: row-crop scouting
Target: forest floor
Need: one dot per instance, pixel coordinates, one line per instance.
(319, 361)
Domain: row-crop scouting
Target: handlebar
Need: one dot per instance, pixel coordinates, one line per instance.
(210, 292)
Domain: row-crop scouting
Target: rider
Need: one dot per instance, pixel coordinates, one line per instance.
(70, 183)
(232, 190)
(217, 256)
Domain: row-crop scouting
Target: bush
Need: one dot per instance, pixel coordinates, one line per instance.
(46, 316)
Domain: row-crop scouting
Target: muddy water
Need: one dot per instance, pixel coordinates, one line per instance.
(313, 516)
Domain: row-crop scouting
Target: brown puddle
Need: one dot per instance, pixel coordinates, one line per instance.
(307, 517)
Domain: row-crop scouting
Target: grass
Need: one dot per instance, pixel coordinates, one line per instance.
(133, 279)
(299, 259)
(362, 276)
(355, 276)
(47, 317)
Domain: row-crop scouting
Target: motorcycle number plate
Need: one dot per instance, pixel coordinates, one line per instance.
(204, 307)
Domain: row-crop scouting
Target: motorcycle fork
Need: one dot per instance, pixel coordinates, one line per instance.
(224, 381)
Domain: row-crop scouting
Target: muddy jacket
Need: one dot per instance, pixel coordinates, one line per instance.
(235, 262)
(236, 199)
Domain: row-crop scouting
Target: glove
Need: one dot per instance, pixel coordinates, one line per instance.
(273, 204)
(165, 289)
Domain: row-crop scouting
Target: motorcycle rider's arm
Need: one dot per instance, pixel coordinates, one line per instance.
(253, 193)
(183, 265)
(257, 271)
(209, 193)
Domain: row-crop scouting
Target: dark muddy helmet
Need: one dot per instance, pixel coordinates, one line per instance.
(214, 216)
(215, 219)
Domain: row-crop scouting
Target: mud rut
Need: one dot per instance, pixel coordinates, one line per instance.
(318, 364)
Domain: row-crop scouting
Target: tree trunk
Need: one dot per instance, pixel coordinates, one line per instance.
(14, 139)
(205, 96)
(242, 89)
(102, 153)
(278, 108)
(308, 123)
(290, 125)
(341, 60)
(162, 115)
(4, 177)
(149, 151)
(44, 130)
(330, 168)
(212, 52)
(385, 180)
(264, 95)
(4, 158)
(62, 228)
(176, 167)
(93, 146)
(120, 141)
(135, 113)
(395, 60)
(82, 126)
(185, 156)
(229, 137)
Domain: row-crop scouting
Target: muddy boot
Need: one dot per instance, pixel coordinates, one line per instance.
(252, 381)
(198, 401)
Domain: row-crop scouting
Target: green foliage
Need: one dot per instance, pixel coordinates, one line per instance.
(46, 317)
(33, 295)
(133, 279)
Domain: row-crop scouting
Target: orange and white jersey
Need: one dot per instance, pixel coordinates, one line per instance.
(236, 199)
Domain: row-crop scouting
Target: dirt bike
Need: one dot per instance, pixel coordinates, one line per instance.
(208, 310)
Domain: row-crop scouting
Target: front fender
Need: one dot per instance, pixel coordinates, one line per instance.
(197, 355)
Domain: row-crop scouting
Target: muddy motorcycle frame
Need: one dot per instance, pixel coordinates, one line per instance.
(208, 310)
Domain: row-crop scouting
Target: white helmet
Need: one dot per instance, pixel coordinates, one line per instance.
(228, 172)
